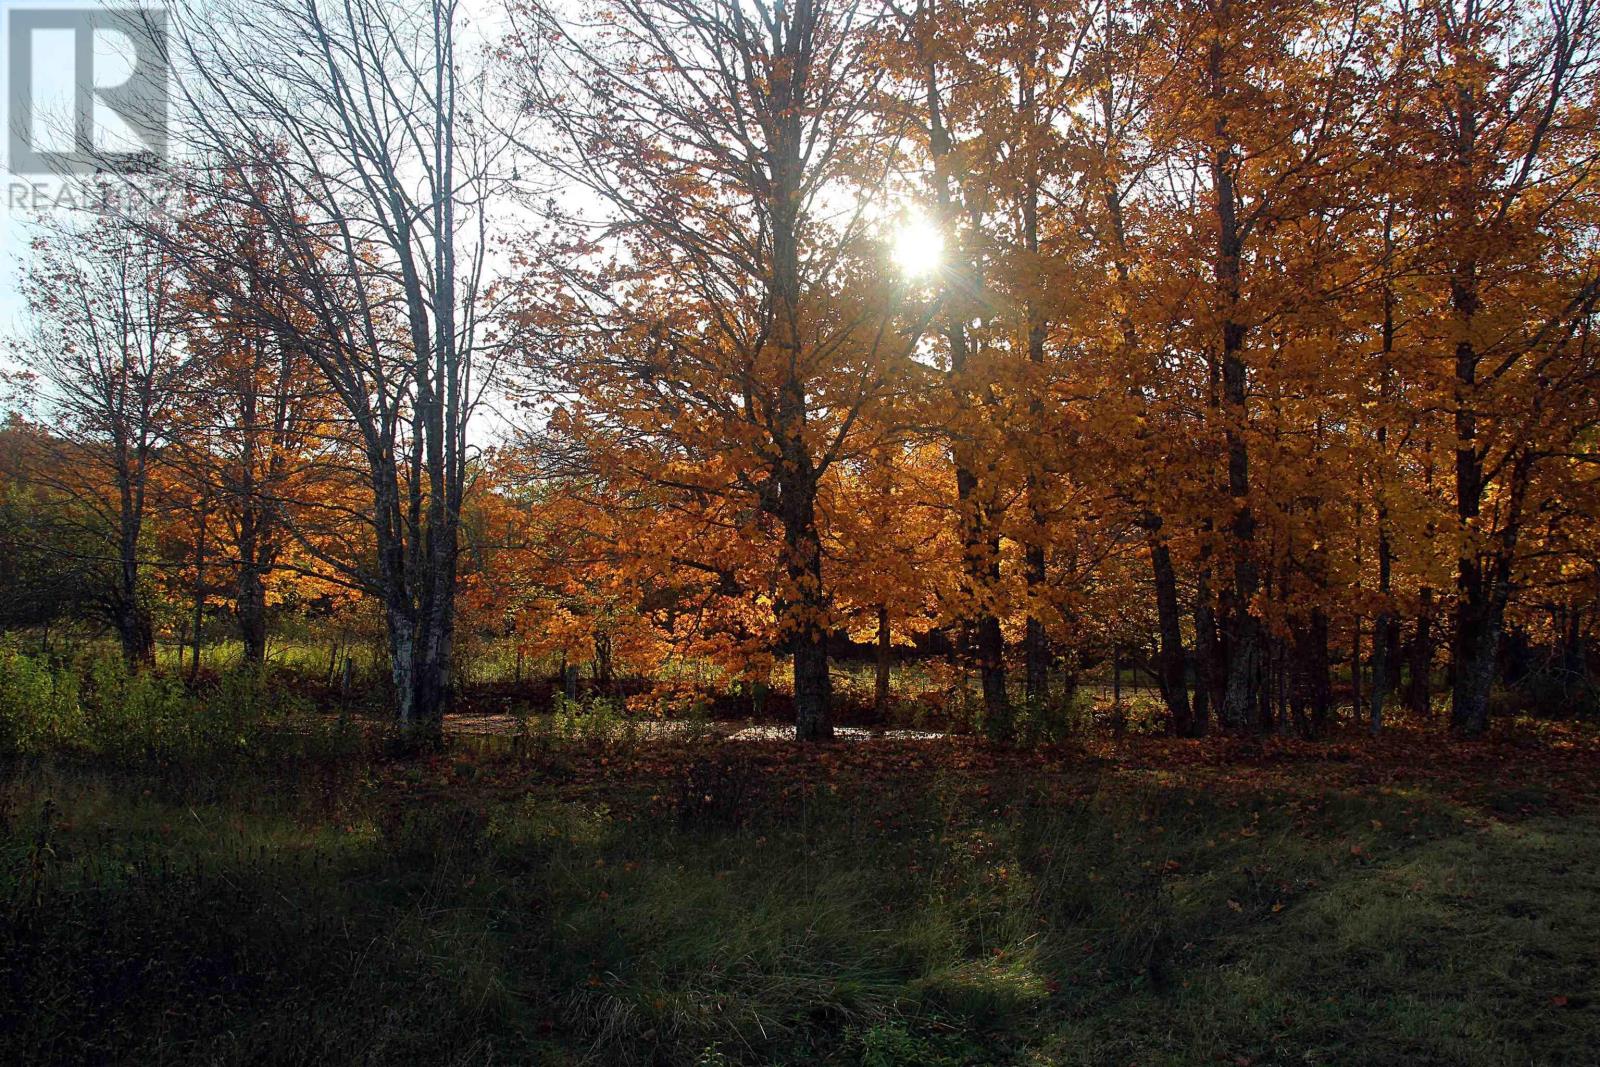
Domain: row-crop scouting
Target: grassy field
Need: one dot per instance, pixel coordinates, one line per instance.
(705, 902)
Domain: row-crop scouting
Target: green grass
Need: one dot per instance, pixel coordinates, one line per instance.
(885, 905)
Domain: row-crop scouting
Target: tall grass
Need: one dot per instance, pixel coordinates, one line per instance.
(95, 707)
(1111, 919)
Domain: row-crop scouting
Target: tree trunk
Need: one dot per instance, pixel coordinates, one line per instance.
(403, 665)
(604, 661)
(880, 693)
(1384, 626)
(136, 635)
(1036, 646)
(981, 563)
(803, 615)
(420, 667)
(198, 618)
(1357, 701)
(1383, 666)
(1472, 643)
(1479, 620)
(132, 619)
(997, 718)
(1572, 643)
(985, 638)
(813, 688)
(252, 612)
(1472, 652)
(1241, 700)
(1322, 672)
(1386, 630)
(432, 675)
(1170, 662)
(1310, 686)
(1208, 671)
(1419, 696)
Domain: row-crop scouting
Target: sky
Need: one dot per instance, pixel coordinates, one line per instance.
(52, 90)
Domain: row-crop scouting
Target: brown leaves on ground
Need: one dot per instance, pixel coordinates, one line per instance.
(1522, 771)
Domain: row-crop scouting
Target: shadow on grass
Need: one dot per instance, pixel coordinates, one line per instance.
(1100, 918)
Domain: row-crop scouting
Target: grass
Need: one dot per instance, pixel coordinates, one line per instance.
(704, 902)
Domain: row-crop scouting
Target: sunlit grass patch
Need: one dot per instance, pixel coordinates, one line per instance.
(1034, 914)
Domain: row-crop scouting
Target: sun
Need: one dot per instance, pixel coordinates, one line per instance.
(918, 247)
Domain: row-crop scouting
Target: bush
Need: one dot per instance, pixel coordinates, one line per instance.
(1551, 692)
(132, 715)
(100, 709)
(39, 707)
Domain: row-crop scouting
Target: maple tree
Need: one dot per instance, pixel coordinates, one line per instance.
(1504, 119)
(1245, 342)
(1191, 325)
(255, 438)
(727, 330)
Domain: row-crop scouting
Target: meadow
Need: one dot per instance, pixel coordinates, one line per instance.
(230, 875)
(844, 532)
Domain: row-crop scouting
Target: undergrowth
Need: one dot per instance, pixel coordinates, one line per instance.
(1042, 914)
(218, 874)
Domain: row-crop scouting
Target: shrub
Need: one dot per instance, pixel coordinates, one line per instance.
(131, 715)
(100, 709)
(1554, 692)
(39, 708)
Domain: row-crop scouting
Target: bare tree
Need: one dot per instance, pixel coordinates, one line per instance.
(369, 177)
(108, 351)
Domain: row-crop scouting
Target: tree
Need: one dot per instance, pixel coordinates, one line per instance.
(369, 180)
(108, 349)
(726, 323)
(1502, 120)
(257, 420)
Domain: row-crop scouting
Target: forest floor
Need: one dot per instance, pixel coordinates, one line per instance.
(505, 724)
(687, 898)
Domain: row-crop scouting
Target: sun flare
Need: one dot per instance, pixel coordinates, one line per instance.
(918, 247)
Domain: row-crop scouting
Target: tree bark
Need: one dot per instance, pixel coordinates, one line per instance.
(803, 615)
(198, 617)
(1208, 672)
(1385, 633)
(880, 691)
(132, 618)
(1476, 625)
(1171, 672)
(252, 611)
(1419, 696)
(135, 634)
(1244, 668)
(1310, 686)
(1357, 698)
(1035, 644)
